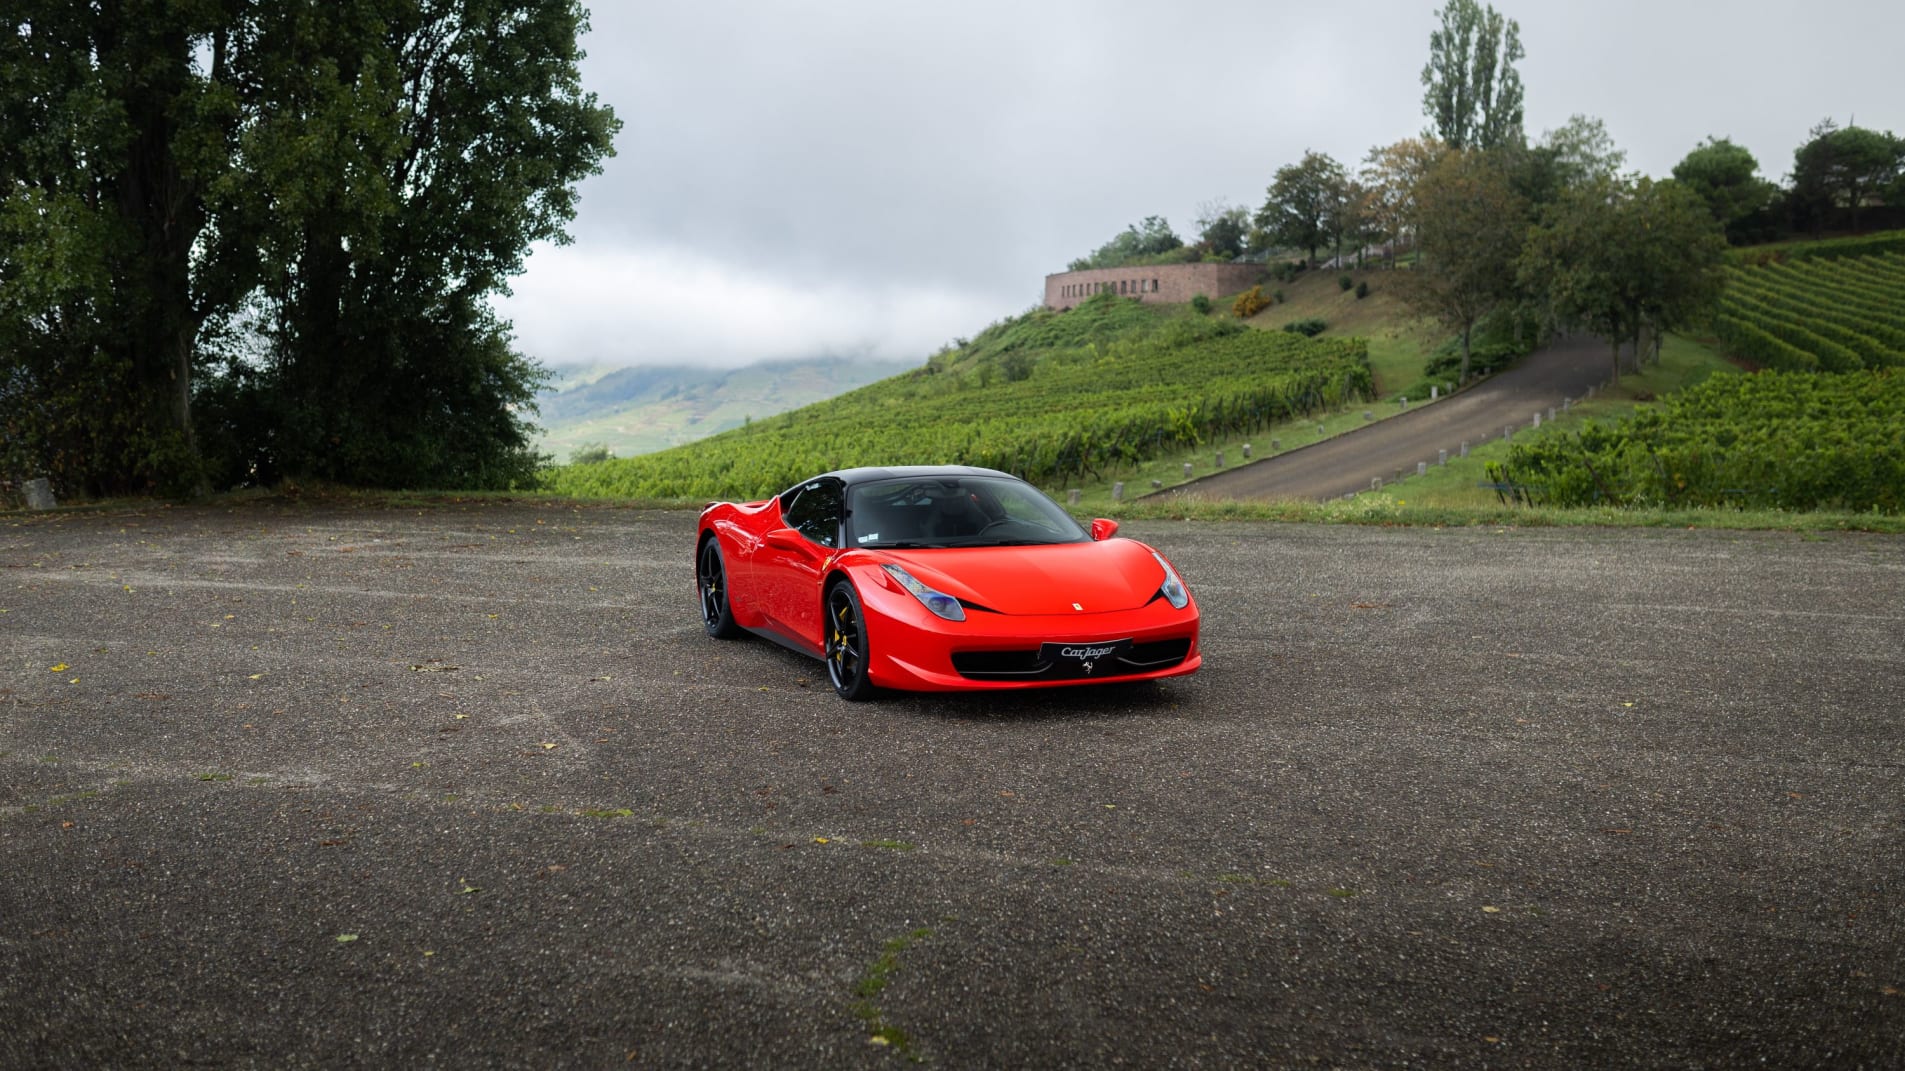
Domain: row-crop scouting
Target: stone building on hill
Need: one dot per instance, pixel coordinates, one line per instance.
(1161, 283)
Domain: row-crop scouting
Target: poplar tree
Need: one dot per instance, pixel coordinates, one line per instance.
(1473, 96)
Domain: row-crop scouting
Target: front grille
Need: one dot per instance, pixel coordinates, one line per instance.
(1026, 665)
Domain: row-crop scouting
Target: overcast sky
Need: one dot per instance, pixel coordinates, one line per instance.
(800, 178)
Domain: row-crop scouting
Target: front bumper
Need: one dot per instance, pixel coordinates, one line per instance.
(912, 650)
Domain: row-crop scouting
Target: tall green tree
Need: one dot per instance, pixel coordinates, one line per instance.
(1469, 228)
(1726, 177)
(455, 132)
(1302, 202)
(113, 132)
(1473, 94)
(1839, 167)
(1626, 259)
(302, 210)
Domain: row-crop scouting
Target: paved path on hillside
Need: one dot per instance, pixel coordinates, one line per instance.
(1349, 462)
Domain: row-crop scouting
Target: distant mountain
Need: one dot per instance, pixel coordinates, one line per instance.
(652, 407)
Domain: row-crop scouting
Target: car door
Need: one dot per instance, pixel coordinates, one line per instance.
(792, 563)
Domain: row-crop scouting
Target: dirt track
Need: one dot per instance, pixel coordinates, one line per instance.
(1346, 463)
(469, 788)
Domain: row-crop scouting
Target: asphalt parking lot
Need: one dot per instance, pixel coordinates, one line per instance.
(467, 786)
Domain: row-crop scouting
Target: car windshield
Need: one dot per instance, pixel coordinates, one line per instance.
(956, 511)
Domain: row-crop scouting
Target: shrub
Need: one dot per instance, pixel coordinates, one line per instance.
(1311, 327)
(1362, 290)
(1285, 272)
(1483, 357)
(1344, 282)
(591, 454)
(1278, 297)
(1201, 304)
(1250, 303)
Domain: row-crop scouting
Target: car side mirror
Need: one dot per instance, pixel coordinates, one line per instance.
(785, 539)
(1103, 528)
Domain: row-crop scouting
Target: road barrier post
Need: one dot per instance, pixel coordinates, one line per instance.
(39, 493)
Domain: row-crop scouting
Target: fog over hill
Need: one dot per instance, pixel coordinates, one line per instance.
(652, 407)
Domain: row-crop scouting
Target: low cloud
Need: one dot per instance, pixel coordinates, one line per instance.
(627, 306)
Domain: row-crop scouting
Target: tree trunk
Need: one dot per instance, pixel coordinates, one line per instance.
(161, 211)
(1466, 329)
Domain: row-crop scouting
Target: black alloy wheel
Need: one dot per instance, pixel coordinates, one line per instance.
(711, 581)
(846, 646)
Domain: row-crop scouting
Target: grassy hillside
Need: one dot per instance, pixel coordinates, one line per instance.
(1051, 396)
(640, 410)
(1399, 341)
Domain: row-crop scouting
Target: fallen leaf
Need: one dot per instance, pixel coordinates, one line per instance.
(822, 840)
(1490, 909)
(346, 938)
(545, 745)
(61, 668)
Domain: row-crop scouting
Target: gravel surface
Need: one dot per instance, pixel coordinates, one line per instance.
(290, 787)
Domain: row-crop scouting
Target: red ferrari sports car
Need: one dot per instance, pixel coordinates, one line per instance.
(941, 579)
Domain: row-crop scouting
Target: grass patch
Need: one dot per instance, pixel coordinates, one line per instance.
(873, 982)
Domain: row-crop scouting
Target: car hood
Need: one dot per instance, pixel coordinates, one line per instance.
(1067, 578)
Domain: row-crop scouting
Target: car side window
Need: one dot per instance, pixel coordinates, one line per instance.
(813, 509)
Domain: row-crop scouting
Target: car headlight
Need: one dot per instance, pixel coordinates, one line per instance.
(938, 602)
(1172, 589)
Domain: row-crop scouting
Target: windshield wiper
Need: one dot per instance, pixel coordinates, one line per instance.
(896, 545)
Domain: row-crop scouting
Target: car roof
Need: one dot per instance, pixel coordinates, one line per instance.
(850, 477)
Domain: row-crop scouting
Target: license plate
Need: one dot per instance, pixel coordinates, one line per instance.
(1084, 659)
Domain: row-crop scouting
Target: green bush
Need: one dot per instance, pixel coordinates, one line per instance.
(591, 454)
(1344, 282)
(1311, 327)
(1200, 303)
(1362, 290)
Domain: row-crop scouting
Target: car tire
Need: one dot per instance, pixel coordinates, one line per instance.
(845, 646)
(711, 584)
